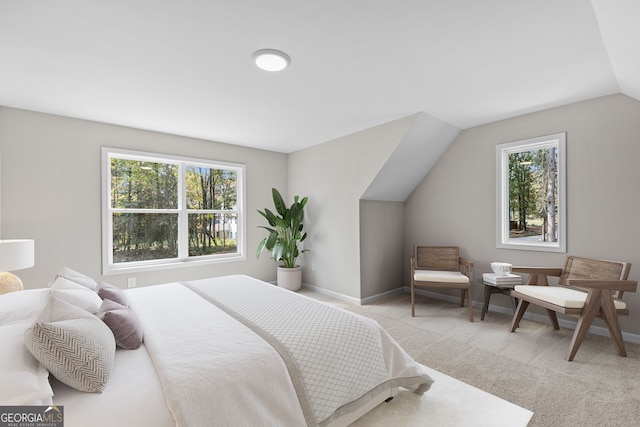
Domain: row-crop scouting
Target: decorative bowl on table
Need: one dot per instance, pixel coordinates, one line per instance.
(501, 268)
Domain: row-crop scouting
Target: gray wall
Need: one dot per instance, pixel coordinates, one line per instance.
(382, 257)
(456, 202)
(334, 176)
(50, 181)
(50, 191)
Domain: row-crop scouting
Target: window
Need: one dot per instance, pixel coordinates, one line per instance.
(531, 194)
(164, 210)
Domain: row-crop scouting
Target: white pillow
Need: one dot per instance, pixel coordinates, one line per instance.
(22, 305)
(78, 278)
(75, 346)
(23, 380)
(78, 295)
(29, 303)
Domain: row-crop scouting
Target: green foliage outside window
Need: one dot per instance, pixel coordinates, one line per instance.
(146, 207)
(533, 194)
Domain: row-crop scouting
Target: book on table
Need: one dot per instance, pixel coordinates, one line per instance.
(504, 279)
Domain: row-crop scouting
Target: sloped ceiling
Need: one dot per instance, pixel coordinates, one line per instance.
(618, 21)
(185, 67)
(425, 141)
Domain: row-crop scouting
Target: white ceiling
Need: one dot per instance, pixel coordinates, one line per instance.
(185, 67)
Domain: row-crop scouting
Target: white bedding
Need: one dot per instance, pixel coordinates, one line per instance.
(213, 369)
(132, 398)
(210, 369)
(338, 356)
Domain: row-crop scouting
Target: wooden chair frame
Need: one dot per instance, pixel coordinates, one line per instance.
(441, 258)
(602, 280)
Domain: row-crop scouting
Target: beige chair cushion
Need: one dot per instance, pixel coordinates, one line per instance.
(558, 295)
(440, 276)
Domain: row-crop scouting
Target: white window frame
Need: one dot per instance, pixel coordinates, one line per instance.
(183, 259)
(502, 196)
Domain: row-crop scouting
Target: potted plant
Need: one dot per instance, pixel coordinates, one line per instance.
(285, 234)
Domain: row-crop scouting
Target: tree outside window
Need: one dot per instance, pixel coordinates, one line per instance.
(531, 194)
(163, 210)
(211, 200)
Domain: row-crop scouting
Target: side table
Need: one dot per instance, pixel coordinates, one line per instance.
(493, 288)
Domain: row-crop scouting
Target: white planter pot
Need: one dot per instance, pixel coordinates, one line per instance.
(290, 278)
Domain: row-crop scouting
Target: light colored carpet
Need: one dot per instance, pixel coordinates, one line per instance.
(528, 367)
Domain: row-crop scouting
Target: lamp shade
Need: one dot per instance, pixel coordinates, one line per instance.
(16, 254)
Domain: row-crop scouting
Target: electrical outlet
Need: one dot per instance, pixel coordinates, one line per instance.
(131, 282)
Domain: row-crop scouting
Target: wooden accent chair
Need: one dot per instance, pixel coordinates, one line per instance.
(586, 288)
(440, 267)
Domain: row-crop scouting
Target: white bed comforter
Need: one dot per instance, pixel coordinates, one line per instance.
(233, 350)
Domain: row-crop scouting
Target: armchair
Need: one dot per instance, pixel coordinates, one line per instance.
(586, 288)
(440, 267)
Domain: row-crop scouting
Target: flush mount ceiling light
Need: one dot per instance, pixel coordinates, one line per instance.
(271, 59)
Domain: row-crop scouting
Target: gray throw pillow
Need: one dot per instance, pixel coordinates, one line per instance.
(109, 291)
(74, 345)
(123, 322)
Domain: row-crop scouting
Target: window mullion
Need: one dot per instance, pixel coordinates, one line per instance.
(183, 217)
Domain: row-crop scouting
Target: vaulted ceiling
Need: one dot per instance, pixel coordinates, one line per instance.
(185, 67)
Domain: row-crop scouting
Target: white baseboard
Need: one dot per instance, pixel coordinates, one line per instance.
(565, 323)
(352, 300)
(597, 330)
(333, 294)
(381, 296)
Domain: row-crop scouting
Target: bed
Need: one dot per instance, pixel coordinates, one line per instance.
(220, 351)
